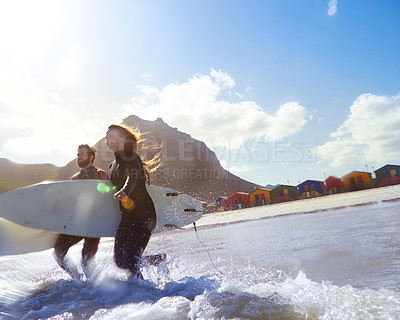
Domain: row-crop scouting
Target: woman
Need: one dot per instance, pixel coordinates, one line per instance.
(138, 216)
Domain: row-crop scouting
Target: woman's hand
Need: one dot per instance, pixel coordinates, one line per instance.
(120, 195)
(125, 200)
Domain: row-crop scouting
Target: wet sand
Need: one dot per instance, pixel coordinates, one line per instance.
(336, 201)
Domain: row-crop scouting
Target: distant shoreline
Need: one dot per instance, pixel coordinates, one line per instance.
(330, 202)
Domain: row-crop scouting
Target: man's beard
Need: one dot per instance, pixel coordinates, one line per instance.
(83, 163)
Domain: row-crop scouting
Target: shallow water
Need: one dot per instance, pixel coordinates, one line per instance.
(341, 264)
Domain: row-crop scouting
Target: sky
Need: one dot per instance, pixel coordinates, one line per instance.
(281, 91)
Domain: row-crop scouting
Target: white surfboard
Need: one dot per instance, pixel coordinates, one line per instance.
(87, 207)
(17, 239)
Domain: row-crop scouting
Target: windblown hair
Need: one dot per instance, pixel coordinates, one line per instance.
(134, 138)
(92, 151)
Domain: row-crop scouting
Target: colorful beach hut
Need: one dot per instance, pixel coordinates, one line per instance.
(387, 175)
(221, 203)
(334, 185)
(357, 180)
(311, 189)
(238, 200)
(284, 193)
(260, 196)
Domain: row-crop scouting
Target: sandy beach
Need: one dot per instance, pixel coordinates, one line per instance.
(335, 201)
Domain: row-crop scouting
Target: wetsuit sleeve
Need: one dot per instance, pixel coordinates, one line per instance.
(110, 169)
(132, 175)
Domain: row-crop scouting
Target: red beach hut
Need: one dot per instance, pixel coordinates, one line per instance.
(238, 200)
(334, 185)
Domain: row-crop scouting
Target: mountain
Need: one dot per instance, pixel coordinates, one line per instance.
(188, 164)
(14, 175)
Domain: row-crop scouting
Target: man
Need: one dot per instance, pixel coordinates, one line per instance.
(84, 160)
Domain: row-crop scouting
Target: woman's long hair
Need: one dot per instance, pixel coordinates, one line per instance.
(134, 138)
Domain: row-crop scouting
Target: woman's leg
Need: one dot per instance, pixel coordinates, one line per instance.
(133, 235)
(137, 240)
(119, 246)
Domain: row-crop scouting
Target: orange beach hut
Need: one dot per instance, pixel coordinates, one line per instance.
(357, 180)
(260, 196)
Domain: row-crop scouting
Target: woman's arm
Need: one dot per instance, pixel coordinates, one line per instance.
(132, 172)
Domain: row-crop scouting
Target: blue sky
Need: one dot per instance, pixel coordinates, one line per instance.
(282, 91)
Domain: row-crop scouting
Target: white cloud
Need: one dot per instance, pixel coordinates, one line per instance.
(236, 169)
(371, 133)
(31, 29)
(36, 125)
(222, 78)
(70, 70)
(332, 7)
(194, 107)
(146, 75)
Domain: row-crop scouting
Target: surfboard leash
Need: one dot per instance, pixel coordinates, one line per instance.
(202, 244)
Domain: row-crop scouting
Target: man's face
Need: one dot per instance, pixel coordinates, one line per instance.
(83, 158)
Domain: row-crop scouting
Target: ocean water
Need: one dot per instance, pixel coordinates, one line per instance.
(339, 264)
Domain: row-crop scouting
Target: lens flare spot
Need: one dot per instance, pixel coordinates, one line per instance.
(128, 203)
(103, 188)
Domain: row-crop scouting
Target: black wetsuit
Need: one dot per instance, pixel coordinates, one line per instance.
(65, 241)
(138, 220)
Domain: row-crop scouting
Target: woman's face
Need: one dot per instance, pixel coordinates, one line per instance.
(114, 141)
